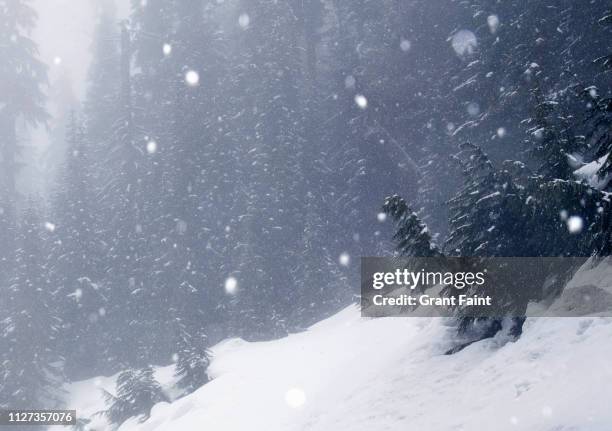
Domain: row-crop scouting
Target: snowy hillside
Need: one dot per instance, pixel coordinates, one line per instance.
(351, 374)
(87, 397)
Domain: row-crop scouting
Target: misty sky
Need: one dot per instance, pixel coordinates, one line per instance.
(64, 32)
(64, 35)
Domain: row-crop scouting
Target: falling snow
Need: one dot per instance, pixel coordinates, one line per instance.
(405, 45)
(244, 20)
(231, 286)
(464, 43)
(361, 101)
(192, 78)
(575, 224)
(493, 22)
(151, 147)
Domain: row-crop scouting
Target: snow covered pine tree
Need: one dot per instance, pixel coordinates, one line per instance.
(137, 392)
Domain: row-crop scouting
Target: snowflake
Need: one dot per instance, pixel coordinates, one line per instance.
(464, 42)
(405, 45)
(231, 286)
(244, 20)
(151, 147)
(361, 101)
(344, 259)
(575, 224)
(192, 78)
(473, 109)
(493, 21)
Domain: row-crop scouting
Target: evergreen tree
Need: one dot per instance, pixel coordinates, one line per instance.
(22, 78)
(552, 139)
(599, 114)
(193, 360)
(29, 327)
(137, 392)
(412, 236)
(76, 259)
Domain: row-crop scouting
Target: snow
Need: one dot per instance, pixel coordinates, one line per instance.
(493, 22)
(167, 49)
(405, 45)
(244, 20)
(295, 398)
(589, 292)
(590, 173)
(349, 373)
(77, 294)
(231, 286)
(487, 197)
(151, 147)
(575, 224)
(344, 259)
(192, 78)
(473, 109)
(87, 397)
(464, 42)
(361, 101)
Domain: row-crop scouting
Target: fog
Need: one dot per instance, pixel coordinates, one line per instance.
(216, 169)
(64, 35)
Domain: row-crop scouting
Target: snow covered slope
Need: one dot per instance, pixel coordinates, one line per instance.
(86, 397)
(354, 374)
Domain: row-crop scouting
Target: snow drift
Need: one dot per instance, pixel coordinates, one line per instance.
(351, 374)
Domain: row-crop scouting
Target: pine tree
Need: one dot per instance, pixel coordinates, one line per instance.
(412, 236)
(193, 360)
(474, 210)
(599, 115)
(137, 392)
(319, 285)
(551, 137)
(29, 326)
(494, 205)
(76, 260)
(22, 78)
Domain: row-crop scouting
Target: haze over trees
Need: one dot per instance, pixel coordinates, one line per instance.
(231, 159)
